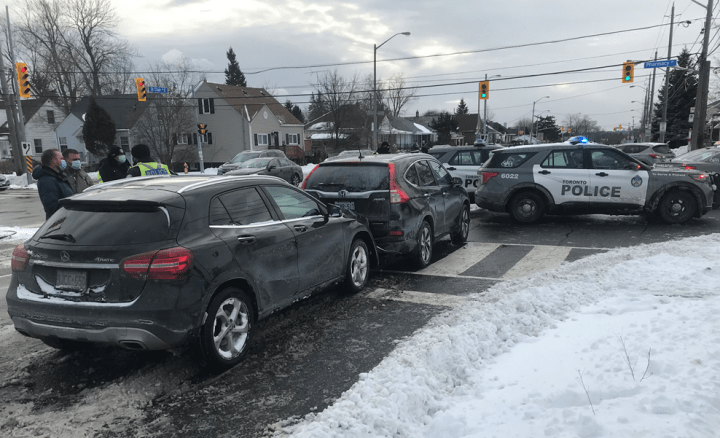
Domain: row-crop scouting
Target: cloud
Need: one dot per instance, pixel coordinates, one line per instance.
(176, 57)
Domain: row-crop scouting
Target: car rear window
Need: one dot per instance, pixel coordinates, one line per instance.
(662, 149)
(350, 177)
(509, 159)
(97, 226)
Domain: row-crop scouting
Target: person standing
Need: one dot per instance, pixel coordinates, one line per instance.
(79, 179)
(145, 165)
(52, 183)
(384, 148)
(115, 166)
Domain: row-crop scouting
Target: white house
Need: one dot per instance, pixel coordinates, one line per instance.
(41, 117)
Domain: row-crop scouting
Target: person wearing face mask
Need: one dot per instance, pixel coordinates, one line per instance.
(79, 179)
(115, 166)
(52, 183)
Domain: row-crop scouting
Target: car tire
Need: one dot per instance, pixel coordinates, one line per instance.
(227, 331)
(296, 180)
(461, 235)
(425, 245)
(527, 207)
(677, 207)
(358, 266)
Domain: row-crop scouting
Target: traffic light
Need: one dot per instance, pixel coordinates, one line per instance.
(141, 92)
(202, 128)
(628, 72)
(484, 90)
(23, 79)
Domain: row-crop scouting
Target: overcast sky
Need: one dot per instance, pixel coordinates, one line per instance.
(293, 33)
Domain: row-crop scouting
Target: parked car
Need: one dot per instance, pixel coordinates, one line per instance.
(279, 167)
(580, 178)
(4, 183)
(648, 153)
(464, 161)
(165, 262)
(243, 156)
(410, 200)
(705, 160)
(350, 153)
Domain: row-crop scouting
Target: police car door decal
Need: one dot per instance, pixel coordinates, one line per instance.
(615, 180)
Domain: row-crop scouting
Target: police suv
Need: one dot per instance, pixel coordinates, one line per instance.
(464, 161)
(578, 177)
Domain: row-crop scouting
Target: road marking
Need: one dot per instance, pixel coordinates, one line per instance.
(410, 296)
(460, 260)
(540, 258)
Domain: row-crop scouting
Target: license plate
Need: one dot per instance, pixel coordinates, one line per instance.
(346, 205)
(71, 280)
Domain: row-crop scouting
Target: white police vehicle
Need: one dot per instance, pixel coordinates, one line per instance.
(464, 161)
(578, 177)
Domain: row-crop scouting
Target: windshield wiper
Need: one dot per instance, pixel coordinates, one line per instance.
(65, 237)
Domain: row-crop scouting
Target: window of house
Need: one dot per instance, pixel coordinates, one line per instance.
(124, 141)
(206, 106)
(206, 138)
(261, 139)
(38, 145)
(63, 143)
(292, 138)
(51, 116)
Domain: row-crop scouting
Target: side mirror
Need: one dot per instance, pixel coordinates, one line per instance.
(457, 181)
(324, 210)
(270, 167)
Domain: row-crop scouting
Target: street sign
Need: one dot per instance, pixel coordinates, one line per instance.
(162, 90)
(663, 126)
(25, 146)
(656, 64)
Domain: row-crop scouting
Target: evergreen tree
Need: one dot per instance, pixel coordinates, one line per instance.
(317, 107)
(462, 108)
(444, 124)
(681, 97)
(98, 130)
(288, 105)
(548, 128)
(233, 74)
(297, 112)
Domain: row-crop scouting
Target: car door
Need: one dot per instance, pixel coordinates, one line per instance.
(616, 178)
(464, 166)
(432, 195)
(564, 175)
(286, 169)
(320, 241)
(452, 195)
(274, 168)
(264, 247)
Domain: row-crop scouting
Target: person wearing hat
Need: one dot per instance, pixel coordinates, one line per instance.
(115, 166)
(145, 165)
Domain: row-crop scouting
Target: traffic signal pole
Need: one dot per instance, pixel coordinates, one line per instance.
(698, 132)
(11, 118)
(20, 126)
(663, 122)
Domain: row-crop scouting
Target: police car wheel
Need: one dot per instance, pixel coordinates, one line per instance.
(425, 245)
(677, 207)
(527, 207)
(460, 236)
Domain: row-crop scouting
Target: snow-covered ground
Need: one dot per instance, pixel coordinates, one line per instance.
(618, 344)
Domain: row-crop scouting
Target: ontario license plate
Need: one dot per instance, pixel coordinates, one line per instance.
(71, 280)
(346, 205)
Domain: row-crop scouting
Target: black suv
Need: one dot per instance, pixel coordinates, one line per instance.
(163, 262)
(410, 200)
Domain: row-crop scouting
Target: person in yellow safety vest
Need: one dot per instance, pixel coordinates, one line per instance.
(145, 165)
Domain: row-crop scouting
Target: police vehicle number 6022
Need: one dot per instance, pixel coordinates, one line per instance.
(578, 177)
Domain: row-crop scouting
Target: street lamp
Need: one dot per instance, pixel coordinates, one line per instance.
(532, 119)
(375, 48)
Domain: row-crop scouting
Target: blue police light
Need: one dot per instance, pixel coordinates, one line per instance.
(578, 139)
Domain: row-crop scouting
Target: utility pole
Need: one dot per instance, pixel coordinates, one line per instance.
(652, 97)
(663, 123)
(485, 118)
(698, 132)
(10, 112)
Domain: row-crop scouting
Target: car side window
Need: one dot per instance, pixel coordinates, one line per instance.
(293, 204)
(411, 176)
(463, 158)
(441, 175)
(285, 162)
(425, 174)
(242, 207)
(608, 159)
(567, 159)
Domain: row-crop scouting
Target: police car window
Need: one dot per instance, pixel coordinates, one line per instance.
(462, 159)
(293, 204)
(441, 175)
(477, 157)
(437, 155)
(510, 159)
(411, 176)
(568, 159)
(425, 174)
(608, 159)
(710, 157)
(245, 207)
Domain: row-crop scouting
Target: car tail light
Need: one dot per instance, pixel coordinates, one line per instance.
(397, 194)
(308, 177)
(656, 156)
(167, 264)
(20, 258)
(486, 176)
(396, 233)
(688, 167)
(702, 177)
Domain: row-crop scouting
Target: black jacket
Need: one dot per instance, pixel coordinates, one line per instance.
(110, 169)
(52, 187)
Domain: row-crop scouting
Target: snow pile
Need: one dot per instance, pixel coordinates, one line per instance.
(20, 182)
(611, 345)
(11, 234)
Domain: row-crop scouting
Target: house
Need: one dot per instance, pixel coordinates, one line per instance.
(124, 110)
(41, 117)
(243, 118)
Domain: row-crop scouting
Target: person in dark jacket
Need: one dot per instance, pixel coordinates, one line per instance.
(115, 166)
(384, 148)
(145, 165)
(51, 181)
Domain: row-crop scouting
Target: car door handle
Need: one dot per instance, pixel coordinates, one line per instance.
(247, 239)
(426, 195)
(451, 168)
(602, 174)
(300, 228)
(544, 172)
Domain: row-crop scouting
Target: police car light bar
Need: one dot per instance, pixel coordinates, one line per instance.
(578, 139)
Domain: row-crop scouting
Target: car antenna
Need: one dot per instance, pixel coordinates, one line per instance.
(360, 155)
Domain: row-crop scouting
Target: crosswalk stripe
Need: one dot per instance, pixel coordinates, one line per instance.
(540, 258)
(410, 296)
(461, 260)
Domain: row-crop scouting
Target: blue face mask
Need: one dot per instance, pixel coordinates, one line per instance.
(63, 165)
(121, 158)
(76, 165)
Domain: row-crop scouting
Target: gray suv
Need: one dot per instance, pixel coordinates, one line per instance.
(565, 178)
(648, 153)
(243, 156)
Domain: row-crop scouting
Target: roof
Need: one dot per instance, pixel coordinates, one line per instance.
(124, 109)
(254, 99)
(29, 106)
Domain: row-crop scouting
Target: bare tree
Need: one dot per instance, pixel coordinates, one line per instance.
(339, 95)
(580, 124)
(524, 124)
(398, 95)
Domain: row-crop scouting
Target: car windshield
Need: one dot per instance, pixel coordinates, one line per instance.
(244, 156)
(350, 177)
(256, 163)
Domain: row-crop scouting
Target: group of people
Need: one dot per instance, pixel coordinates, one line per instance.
(60, 175)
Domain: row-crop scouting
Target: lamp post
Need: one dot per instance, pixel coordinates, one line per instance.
(375, 124)
(532, 119)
